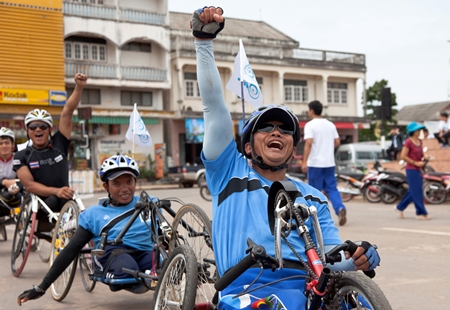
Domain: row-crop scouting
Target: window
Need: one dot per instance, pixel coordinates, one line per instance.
(89, 96)
(337, 93)
(295, 90)
(191, 85)
(137, 47)
(140, 98)
(85, 51)
(344, 155)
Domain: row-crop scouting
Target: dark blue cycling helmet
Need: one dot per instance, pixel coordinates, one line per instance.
(263, 115)
(117, 165)
(266, 114)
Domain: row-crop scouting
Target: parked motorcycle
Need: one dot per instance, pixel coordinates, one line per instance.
(353, 185)
(394, 184)
(436, 187)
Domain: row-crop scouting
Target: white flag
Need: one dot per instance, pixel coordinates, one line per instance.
(137, 127)
(243, 72)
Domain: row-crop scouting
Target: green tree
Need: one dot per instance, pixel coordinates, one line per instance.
(373, 100)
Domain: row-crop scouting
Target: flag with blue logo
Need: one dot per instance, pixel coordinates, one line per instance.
(243, 80)
(137, 132)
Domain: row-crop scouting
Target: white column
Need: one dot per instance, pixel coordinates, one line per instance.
(324, 99)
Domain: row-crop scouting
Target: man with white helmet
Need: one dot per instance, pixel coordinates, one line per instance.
(43, 167)
(119, 174)
(10, 190)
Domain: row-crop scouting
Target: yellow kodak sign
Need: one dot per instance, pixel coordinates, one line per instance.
(23, 96)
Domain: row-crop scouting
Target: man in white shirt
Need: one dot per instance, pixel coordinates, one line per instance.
(321, 138)
(444, 130)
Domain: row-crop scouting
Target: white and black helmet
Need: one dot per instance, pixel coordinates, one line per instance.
(39, 115)
(117, 165)
(5, 132)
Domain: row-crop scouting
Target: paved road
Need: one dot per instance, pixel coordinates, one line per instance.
(414, 271)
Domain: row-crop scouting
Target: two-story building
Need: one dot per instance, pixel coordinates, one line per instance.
(135, 51)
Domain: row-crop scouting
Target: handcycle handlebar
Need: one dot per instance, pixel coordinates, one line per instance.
(257, 254)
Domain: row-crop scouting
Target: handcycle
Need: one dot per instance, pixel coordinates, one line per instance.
(11, 218)
(324, 288)
(187, 240)
(26, 239)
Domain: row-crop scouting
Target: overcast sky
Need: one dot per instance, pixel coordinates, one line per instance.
(405, 41)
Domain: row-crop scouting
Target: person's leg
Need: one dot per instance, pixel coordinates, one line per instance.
(315, 178)
(436, 135)
(446, 138)
(415, 187)
(330, 188)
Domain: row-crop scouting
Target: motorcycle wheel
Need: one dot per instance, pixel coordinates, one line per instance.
(434, 192)
(344, 185)
(204, 192)
(372, 196)
(388, 198)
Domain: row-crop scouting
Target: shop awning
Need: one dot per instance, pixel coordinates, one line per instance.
(121, 120)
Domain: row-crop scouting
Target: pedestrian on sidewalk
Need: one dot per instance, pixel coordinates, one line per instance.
(321, 139)
(412, 154)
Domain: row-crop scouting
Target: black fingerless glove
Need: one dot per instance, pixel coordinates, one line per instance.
(202, 31)
(35, 293)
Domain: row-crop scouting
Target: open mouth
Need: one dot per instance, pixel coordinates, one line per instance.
(275, 145)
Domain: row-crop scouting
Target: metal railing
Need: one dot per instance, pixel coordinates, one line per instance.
(185, 43)
(111, 72)
(109, 12)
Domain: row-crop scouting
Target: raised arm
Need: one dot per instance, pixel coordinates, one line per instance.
(65, 124)
(218, 123)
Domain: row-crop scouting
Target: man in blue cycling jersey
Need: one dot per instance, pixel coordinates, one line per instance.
(119, 174)
(239, 183)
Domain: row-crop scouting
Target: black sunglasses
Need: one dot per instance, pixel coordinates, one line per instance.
(285, 130)
(33, 127)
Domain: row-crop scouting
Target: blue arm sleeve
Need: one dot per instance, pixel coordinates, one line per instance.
(344, 265)
(218, 123)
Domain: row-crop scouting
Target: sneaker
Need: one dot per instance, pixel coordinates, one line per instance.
(342, 217)
(423, 217)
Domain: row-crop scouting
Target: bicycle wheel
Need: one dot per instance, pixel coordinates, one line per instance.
(23, 238)
(178, 280)
(86, 264)
(43, 248)
(191, 226)
(357, 291)
(434, 192)
(64, 229)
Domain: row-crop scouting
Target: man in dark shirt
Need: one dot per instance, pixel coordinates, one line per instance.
(43, 167)
(397, 143)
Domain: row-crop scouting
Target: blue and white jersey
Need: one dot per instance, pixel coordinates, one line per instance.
(96, 217)
(239, 194)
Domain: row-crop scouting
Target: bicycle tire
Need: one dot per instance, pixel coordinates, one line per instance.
(23, 238)
(434, 196)
(44, 248)
(356, 290)
(86, 265)
(3, 232)
(64, 229)
(205, 193)
(178, 281)
(199, 239)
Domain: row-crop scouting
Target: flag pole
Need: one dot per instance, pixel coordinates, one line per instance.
(134, 131)
(242, 82)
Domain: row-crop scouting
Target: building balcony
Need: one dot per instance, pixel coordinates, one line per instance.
(106, 71)
(113, 13)
(276, 55)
